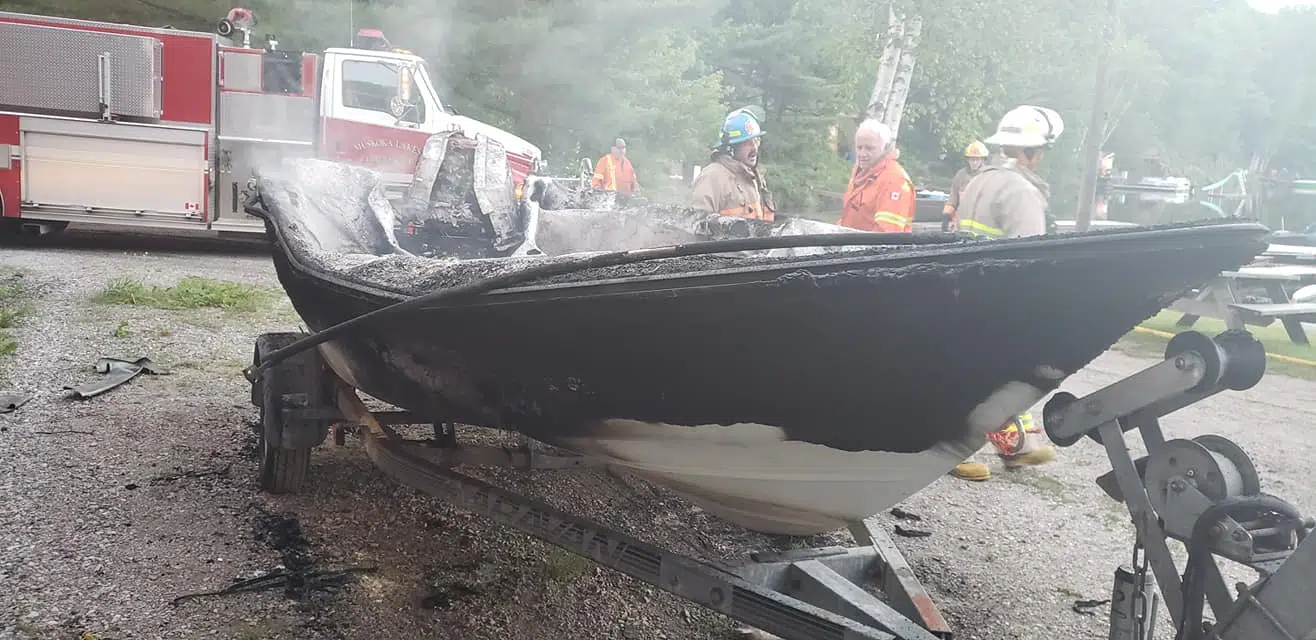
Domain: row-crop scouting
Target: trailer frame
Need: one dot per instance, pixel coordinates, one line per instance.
(801, 594)
(1204, 492)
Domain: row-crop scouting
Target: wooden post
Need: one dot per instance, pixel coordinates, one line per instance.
(1087, 193)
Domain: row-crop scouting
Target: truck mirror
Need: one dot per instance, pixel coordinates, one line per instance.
(398, 107)
(404, 84)
(403, 97)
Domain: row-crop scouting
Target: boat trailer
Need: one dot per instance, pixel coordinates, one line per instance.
(1204, 492)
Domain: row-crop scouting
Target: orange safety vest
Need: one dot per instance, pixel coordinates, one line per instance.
(880, 199)
(610, 176)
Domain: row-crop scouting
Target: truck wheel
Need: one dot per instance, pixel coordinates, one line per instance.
(281, 470)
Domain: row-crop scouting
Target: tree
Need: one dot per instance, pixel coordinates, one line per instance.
(801, 60)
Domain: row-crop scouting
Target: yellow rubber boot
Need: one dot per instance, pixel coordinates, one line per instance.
(974, 471)
(1038, 456)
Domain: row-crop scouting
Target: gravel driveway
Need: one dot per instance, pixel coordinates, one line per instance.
(112, 507)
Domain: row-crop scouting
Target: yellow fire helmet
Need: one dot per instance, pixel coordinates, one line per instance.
(975, 150)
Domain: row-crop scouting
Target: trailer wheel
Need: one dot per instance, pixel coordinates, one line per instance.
(282, 470)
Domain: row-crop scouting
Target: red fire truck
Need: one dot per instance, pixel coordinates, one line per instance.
(160, 128)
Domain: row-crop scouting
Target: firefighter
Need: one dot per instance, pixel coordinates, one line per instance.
(613, 172)
(880, 195)
(732, 182)
(1008, 199)
(975, 155)
(1005, 200)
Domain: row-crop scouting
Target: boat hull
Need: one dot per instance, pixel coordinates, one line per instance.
(853, 360)
(753, 476)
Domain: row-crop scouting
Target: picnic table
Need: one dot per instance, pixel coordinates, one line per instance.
(1220, 299)
(1290, 252)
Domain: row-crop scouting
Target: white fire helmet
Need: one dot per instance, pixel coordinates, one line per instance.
(1028, 126)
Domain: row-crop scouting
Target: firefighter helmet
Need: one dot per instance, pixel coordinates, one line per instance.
(975, 149)
(1028, 126)
(740, 125)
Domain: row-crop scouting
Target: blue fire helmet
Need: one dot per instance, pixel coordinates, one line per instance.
(739, 126)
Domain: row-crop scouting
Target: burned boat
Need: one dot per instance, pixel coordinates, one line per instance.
(790, 389)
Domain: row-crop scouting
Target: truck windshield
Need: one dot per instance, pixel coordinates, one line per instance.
(384, 86)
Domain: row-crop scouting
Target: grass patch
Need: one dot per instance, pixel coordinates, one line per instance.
(1069, 593)
(564, 566)
(217, 365)
(1115, 515)
(190, 293)
(13, 308)
(1044, 484)
(1274, 337)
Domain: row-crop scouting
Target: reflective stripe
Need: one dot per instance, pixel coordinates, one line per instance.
(748, 211)
(606, 181)
(980, 229)
(1021, 422)
(886, 217)
(1009, 439)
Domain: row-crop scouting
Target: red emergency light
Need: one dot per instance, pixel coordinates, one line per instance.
(372, 39)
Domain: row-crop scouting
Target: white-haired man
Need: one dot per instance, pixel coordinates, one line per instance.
(880, 196)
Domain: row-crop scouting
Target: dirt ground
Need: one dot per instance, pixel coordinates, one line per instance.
(112, 507)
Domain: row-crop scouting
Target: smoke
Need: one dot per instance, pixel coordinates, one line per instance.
(572, 75)
(567, 75)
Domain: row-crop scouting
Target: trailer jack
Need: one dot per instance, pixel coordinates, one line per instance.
(1204, 492)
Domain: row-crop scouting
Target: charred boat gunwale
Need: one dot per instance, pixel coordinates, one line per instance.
(767, 271)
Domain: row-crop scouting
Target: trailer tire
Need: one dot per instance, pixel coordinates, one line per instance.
(282, 470)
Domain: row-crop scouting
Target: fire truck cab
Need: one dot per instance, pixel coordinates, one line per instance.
(124, 125)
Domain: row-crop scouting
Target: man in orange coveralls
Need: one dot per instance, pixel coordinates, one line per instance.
(614, 172)
(880, 196)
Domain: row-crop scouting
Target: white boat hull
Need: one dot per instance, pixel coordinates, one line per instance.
(750, 475)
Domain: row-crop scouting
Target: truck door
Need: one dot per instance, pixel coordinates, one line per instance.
(375, 113)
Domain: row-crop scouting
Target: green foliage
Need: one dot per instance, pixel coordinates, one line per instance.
(14, 307)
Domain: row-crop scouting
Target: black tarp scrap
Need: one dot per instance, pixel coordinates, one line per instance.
(116, 371)
(10, 401)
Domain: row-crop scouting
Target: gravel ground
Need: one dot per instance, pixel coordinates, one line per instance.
(98, 533)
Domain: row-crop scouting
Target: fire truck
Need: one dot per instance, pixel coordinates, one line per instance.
(159, 128)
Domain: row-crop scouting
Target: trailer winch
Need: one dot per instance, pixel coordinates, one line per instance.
(1204, 492)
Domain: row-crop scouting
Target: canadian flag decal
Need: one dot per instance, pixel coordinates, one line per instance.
(192, 206)
(895, 195)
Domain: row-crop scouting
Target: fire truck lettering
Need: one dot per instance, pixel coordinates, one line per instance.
(386, 143)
